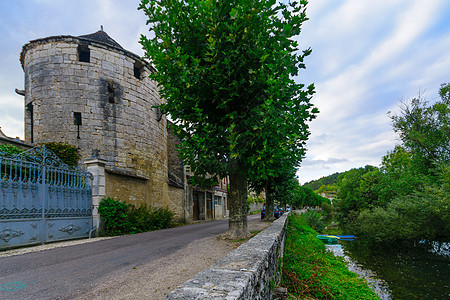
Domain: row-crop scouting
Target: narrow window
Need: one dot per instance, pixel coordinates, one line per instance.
(111, 94)
(31, 120)
(138, 67)
(84, 54)
(77, 121)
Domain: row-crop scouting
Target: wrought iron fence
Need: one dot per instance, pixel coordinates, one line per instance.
(42, 199)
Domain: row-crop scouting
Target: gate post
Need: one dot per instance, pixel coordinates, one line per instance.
(96, 167)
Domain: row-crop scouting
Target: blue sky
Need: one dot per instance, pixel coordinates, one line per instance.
(367, 56)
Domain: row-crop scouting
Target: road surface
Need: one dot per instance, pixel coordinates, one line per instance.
(77, 272)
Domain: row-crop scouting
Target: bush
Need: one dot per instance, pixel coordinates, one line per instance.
(121, 218)
(115, 216)
(327, 207)
(161, 218)
(10, 150)
(67, 153)
(314, 220)
(407, 219)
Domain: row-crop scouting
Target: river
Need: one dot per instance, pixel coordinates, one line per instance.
(412, 273)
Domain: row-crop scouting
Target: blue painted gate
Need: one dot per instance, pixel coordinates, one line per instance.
(42, 199)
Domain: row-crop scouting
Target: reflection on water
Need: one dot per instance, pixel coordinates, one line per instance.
(413, 273)
(376, 284)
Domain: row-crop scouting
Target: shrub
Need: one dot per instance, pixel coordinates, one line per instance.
(121, 218)
(407, 219)
(140, 218)
(67, 153)
(115, 216)
(327, 207)
(10, 150)
(314, 220)
(161, 218)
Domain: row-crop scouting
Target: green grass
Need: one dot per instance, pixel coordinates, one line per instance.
(311, 272)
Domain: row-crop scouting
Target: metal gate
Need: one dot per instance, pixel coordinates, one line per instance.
(42, 199)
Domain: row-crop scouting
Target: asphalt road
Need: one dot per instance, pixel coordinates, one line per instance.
(66, 273)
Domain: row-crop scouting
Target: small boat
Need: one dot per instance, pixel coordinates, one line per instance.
(328, 239)
(346, 237)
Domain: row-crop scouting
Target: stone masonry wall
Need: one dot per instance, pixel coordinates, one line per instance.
(132, 190)
(175, 163)
(174, 204)
(245, 273)
(118, 119)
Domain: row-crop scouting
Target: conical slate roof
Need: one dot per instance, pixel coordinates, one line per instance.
(102, 37)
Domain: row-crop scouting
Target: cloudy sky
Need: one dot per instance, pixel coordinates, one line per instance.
(367, 56)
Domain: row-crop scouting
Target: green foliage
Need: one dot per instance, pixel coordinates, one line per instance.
(327, 207)
(314, 220)
(329, 190)
(10, 150)
(226, 69)
(161, 218)
(310, 272)
(406, 200)
(424, 130)
(257, 199)
(67, 153)
(114, 215)
(121, 218)
(407, 219)
(305, 196)
(9, 171)
(329, 180)
(350, 193)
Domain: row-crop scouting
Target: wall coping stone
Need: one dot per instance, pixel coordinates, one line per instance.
(122, 172)
(245, 273)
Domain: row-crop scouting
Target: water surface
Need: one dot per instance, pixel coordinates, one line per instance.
(410, 273)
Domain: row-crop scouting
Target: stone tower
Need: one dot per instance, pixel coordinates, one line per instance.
(91, 93)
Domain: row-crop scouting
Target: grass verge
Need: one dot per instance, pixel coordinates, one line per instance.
(310, 272)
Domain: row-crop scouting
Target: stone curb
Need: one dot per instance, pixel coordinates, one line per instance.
(245, 273)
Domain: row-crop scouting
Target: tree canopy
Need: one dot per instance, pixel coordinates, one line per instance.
(225, 69)
(407, 198)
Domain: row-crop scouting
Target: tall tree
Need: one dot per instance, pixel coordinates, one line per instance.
(424, 129)
(224, 67)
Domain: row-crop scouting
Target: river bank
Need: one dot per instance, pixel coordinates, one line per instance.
(406, 272)
(309, 271)
(410, 272)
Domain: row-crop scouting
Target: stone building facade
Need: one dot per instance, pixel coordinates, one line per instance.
(91, 93)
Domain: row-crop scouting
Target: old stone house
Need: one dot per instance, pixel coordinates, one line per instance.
(91, 93)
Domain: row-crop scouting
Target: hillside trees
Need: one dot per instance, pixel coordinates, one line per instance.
(225, 69)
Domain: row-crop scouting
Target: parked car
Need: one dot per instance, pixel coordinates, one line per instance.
(277, 212)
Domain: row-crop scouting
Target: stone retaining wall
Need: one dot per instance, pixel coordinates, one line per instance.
(245, 273)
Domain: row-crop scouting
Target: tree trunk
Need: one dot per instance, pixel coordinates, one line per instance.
(237, 222)
(269, 203)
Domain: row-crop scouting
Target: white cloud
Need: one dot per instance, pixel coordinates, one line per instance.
(367, 56)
